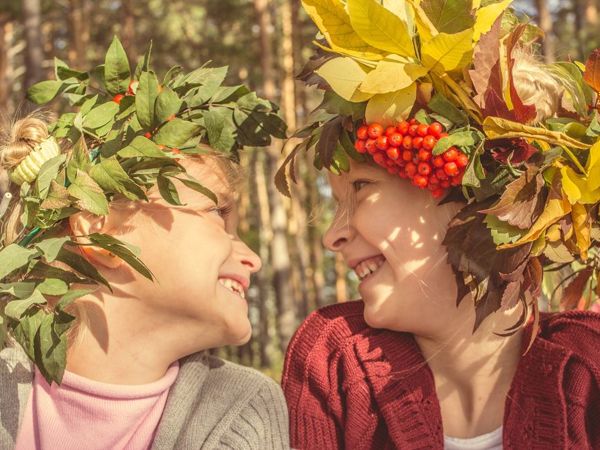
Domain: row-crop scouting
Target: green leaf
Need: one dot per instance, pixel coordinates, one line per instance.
(48, 172)
(334, 104)
(143, 64)
(449, 16)
(44, 91)
(58, 197)
(192, 184)
(51, 345)
(100, 116)
(50, 248)
(90, 197)
(220, 128)
(142, 147)
(167, 104)
(121, 250)
(21, 289)
(205, 76)
(474, 171)
(380, 27)
(145, 98)
(463, 139)
(80, 159)
(16, 308)
(81, 265)
(53, 286)
(71, 296)
(14, 257)
(112, 178)
(168, 191)
(175, 133)
(502, 232)
(446, 108)
(117, 73)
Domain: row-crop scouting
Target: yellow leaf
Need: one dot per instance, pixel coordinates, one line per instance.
(486, 16)
(380, 28)
(388, 109)
(403, 10)
(359, 96)
(447, 52)
(583, 229)
(578, 188)
(344, 75)
(333, 22)
(495, 128)
(557, 206)
(593, 166)
(425, 28)
(390, 75)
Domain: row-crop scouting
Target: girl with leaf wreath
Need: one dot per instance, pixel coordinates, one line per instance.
(462, 170)
(120, 265)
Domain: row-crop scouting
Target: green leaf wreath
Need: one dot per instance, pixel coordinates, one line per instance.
(126, 134)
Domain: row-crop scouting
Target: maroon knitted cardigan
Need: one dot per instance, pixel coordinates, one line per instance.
(351, 386)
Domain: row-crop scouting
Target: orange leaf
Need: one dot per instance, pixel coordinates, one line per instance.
(592, 70)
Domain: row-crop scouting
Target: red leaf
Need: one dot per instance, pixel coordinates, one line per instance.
(523, 113)
(592, 70)
(574, 290)
(485, 74)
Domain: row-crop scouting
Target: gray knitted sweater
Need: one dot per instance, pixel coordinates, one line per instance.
(213, 404)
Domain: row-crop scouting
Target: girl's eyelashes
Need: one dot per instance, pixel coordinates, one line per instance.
(357, 185)
(223, 211)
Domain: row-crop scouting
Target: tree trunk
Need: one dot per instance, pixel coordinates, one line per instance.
(128, 33)
(545, 23)
(341, 286)
(34, 55)
(4, 89)
(79, 33)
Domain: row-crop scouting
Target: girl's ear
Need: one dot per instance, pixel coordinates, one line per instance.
(83, 224)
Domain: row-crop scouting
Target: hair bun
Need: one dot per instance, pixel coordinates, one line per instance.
(25, 135)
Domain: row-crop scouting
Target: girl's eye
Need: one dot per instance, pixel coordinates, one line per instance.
(222, 211)
(357, 185)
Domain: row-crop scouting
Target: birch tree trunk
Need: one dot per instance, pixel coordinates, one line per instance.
(34, 55)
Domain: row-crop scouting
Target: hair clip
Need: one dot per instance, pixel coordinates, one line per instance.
(4, 202)
(29, 168)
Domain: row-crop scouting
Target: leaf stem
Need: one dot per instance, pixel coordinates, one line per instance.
(574, 159)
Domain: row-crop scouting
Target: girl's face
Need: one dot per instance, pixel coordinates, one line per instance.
(390, 233)
(202, 268)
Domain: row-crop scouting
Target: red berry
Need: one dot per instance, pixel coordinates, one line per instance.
(441, 175)
(451, 154)
(444, 184)
(382, 142)
(438, 162)
(423, 168)
(359, 145)
(424, 155)
(395, 140)
(148, 135)
(413, 121)
(402, 173)
(443, 135)
(393, 170)
(412, 129)
(389, 131)
(420, 181)
(423, 130)
(456, 181)
(433, 180)
(417, 142)
(374, 130)
(362, 132)
(462, 160)
(390, 162)
(392, 153)
(379, 158)
(407, 155)
(117, 98)
(403, 127)
(451, 169)
(435, 129)
(429, 142)
(411, 169)
(407, 143)
(437, 193)
(371, 146)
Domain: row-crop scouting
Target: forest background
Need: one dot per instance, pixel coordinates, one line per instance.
(265, 43)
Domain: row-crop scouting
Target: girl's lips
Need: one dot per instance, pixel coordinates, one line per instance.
(233, 286)
(368, 266)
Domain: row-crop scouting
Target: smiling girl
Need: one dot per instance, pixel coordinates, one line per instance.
(447, 347)
(136, 373)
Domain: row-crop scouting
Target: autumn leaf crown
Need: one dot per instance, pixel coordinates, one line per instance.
(128, 133)
(459, 103)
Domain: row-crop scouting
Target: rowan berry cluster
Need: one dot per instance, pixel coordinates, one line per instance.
(406, 150)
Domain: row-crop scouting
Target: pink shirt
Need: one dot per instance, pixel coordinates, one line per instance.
(82, 413)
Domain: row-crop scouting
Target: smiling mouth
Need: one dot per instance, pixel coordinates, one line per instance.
(234, 286)
(369, 266)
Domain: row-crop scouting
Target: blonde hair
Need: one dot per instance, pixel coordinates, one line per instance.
(16, 142)
(536, 85)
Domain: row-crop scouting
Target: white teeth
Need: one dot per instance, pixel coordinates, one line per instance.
(368, 266)
(233, 286)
